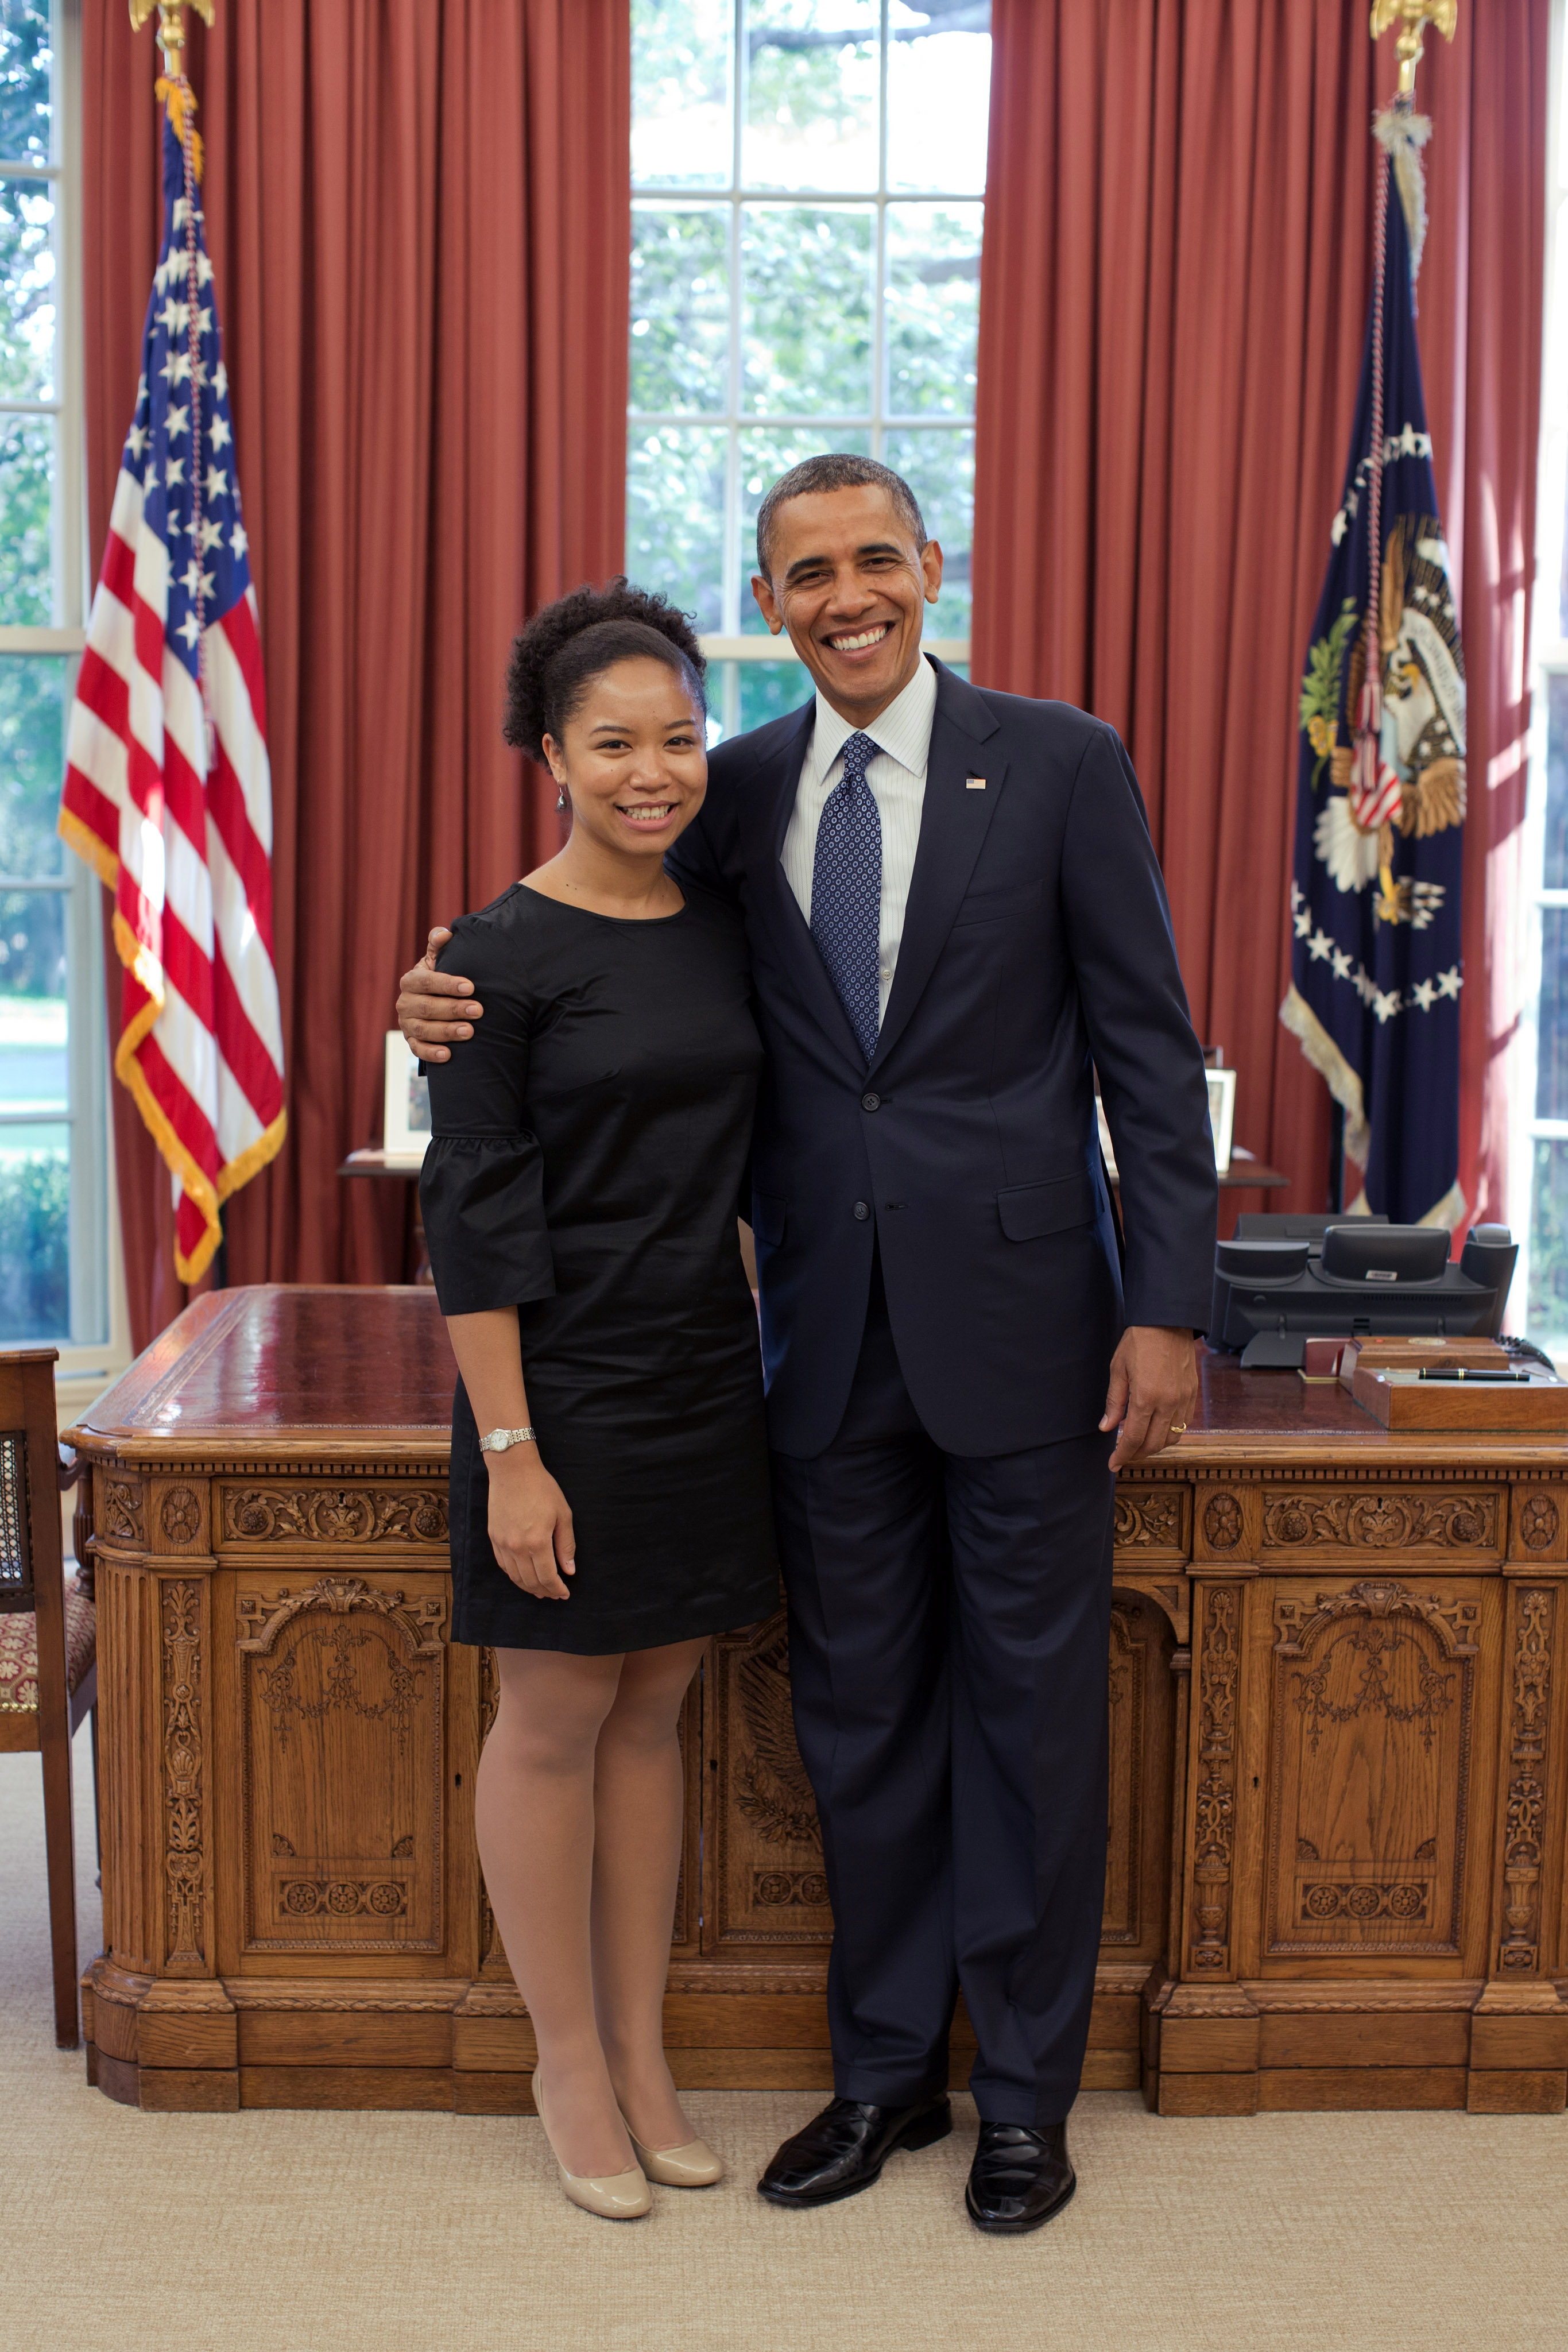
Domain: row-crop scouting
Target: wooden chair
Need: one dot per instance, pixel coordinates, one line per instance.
(48, 1635)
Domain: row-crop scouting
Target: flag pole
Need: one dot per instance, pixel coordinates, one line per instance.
(174, 88)
(170, 29)
(1375, 957)
(1401, 132)
(170, 693)
(1412, 16)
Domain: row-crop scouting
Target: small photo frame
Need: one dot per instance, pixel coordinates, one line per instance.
(405, 1130)
(1107, 1149)
(1221, 1115)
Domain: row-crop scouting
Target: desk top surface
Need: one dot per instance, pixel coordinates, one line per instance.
(283, 1370)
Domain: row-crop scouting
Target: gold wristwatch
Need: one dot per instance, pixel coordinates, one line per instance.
(497, 1440)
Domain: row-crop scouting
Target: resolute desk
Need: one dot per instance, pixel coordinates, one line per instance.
(1339, 1710)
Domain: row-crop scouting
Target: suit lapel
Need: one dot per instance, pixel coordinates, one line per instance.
(953, 824)
(768, 808)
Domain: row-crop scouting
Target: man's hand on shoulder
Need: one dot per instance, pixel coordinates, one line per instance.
(426, 1014)
(1152, 1393)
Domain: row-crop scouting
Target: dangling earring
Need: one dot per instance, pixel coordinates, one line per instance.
(560, 798)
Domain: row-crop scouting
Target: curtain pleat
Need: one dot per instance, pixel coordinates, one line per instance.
(419, 218)
(1173, 300)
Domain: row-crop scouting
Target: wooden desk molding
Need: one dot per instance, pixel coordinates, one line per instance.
(1339, 1795)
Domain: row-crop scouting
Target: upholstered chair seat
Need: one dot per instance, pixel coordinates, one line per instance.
(19, 1662)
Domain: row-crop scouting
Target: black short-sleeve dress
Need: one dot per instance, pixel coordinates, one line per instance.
(587, 1152)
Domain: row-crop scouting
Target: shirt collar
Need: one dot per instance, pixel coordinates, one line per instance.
(903, 730)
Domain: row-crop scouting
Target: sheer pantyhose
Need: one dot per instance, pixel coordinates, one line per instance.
(579, 1814)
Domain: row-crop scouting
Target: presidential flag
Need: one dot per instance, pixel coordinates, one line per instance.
(1375, 967)
(167, 791)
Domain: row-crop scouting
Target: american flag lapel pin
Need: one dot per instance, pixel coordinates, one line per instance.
(974, 784)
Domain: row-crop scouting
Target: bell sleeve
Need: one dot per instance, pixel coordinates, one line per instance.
(481, 1187)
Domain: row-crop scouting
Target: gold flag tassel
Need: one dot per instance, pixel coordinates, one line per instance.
(179, 104)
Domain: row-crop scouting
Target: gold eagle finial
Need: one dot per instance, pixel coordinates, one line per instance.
(171, 27)
(1412, 16)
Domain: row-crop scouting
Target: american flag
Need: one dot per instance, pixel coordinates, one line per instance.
(168, 790)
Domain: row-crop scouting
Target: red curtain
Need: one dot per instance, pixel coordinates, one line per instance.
(418, 214)
(1173, 298)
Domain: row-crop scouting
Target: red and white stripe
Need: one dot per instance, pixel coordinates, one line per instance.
(178, 824)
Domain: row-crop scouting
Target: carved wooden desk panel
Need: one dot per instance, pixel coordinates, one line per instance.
(1339, 1784)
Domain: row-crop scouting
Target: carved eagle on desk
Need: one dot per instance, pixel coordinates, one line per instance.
(774, 1793)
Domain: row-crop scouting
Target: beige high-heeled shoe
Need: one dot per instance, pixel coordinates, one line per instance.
(693, 2166)
(614, 2197)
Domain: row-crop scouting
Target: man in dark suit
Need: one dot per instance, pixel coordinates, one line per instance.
(955, 918)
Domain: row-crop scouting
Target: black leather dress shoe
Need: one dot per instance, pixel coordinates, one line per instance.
(843, 2149)
(1018, 2178)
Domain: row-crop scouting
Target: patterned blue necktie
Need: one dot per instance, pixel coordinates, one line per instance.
(846, 891)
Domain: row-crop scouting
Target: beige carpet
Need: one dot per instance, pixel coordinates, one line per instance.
(413, 2233)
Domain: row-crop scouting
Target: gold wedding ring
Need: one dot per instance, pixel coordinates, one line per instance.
(1178, 1428)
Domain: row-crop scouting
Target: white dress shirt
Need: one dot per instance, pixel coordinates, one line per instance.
(897, 779)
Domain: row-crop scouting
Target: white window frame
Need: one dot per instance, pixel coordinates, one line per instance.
(729, 644)
(98, 1298)
(1547, 659)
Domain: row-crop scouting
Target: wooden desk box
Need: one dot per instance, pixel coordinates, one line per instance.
(1338, 1799)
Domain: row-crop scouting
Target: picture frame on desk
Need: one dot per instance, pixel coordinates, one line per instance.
(1221, 1116)
(405, 1129)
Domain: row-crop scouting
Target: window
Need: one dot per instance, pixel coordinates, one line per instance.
(53, 1178)
(1539, 1208)
(808, 180)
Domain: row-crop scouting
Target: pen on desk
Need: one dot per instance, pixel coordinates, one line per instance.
(1459, 1372)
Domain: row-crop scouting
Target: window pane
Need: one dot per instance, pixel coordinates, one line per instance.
(32, 755)
(939, 468)
(1551, 1035)
(35, 1232)
(26, 290)
(1548, 1305)
(768, 689)
(34, 1154)
(812, 95)
(1555, 874)
(938, 96)
(27, 479)
(722, 700)
(806, 276)
(683, 63)
(680, 309)
(25, 61)
(675, 517)
(932, 308)
(765, 452)
(743, 695)
(33, 1072)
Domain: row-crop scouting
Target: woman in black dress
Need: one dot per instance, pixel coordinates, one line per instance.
(610, 1507)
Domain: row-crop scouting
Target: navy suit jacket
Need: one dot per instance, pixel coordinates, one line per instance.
(1037, 943)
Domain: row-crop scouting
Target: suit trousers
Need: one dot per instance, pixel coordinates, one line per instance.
(949, 1629)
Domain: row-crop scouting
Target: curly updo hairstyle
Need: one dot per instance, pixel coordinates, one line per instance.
(578, 638)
